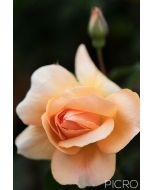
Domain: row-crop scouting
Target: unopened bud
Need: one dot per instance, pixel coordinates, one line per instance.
(97, 28)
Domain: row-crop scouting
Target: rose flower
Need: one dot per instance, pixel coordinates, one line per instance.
(77, 123)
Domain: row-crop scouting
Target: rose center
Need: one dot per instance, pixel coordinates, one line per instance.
(72, 123)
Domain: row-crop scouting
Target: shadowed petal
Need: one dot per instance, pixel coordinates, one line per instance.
(90, 137)
(33, 143)
(89, 167)
(54, 139)
(126, 121)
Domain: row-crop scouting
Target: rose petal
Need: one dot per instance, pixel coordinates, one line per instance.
(89, 167)
(81, 91)
(54, 139)
(88, 74)
(46, 82)
(69, 133)
(126, 121)
(93, 136)
(93, 104)
(81, 117)
(89, 103)
(33, 143)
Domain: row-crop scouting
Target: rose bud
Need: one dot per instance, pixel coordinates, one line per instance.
(97, 28)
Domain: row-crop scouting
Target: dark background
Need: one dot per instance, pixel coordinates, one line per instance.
(47, 31)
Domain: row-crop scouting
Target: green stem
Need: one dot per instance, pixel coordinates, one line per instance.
(100, 60)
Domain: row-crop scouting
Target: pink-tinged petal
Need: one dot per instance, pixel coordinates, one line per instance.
(126, 121)
(54, 139)
(81, 117)
(88, 74)
(33, 143)
(72, 123)
(46, 82)
(69, 133)
(89, 167)
(93, 136)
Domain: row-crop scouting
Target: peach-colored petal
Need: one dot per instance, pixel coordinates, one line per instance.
(93, 136)
(94, 104)
(89, 103)
(69, 133)
(54, 139)
(126, 121)
(89, 167)
(88, 74)
(82, 117)
(75, 119)
(33, 143)
(56, 104)
(46, 82)
(81, 91)
(86, 124)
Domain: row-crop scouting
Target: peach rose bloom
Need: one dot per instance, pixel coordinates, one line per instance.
(77, 123)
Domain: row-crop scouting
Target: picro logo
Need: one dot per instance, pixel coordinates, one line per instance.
(122, 184)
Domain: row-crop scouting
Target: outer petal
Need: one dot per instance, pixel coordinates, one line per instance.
(126, 121)
(33, 143)
(88, 74)
(89, 167)
(93, 136)
(46, 82)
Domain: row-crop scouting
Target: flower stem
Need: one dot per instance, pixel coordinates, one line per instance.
(100, 60)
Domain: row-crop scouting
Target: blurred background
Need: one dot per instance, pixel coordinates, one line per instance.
(49, 31)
